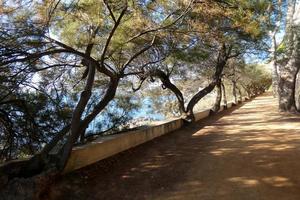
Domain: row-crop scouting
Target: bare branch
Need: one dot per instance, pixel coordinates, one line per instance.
(137, 54)
(53, 66)
(112, 32)
(35, 56)
(139, 86)
(110, 11)
(142, 67)
(162, 27)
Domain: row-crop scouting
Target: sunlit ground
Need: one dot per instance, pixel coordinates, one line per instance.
(252, 153)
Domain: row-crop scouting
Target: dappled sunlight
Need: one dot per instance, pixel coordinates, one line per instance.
(243, 181)
(282, 147)
(152, 166)
(271, 146)
(269, 165)
(278, 181)
(221, 151)
(275, 181)
(126, 177)
(258, 138)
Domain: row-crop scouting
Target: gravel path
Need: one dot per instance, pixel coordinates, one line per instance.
(250, 152)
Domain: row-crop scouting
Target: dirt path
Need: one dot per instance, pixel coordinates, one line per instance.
(251, 153)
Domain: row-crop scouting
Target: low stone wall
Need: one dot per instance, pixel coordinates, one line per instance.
(202, 114)
(110, 145)
(229, 105)
(107, 146)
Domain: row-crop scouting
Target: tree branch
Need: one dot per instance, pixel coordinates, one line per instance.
(110, 11)
(112, 32)
(137, 54)
(162, 27)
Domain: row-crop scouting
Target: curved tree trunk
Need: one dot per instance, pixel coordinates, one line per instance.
(28, 179)
(222, 60)
(187, 113)
(83, 124)
(169, 85)
(196, 98)
(77, 114)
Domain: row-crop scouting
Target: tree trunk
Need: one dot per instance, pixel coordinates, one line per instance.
(224, 95)
(217, 104)
(240, 93)
(202, 93)
(188, 114)
(82, 137)
(234, 92)
(288, 72)
(287, 83)
(196, 98)
(29, 179)
(109, 95)
(275, 80)
(274, 51)
(168, 84)
(83, 124)
(77, 114)
(247, 90)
